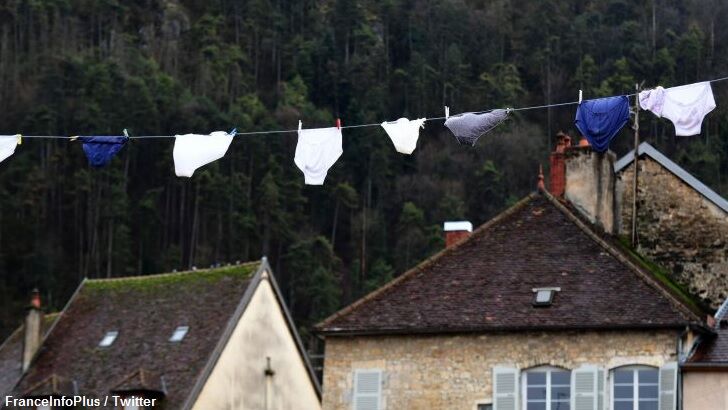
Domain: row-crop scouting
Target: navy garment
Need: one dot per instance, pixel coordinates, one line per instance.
(600, 120)
(101, 150)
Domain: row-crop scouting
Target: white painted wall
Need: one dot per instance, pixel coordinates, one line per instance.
(238, 380)
(705, 390)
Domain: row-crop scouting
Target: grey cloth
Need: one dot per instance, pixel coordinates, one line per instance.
(468, 127)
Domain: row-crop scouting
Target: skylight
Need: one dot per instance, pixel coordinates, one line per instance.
(544, 296)
(108, 339)
(179, 334)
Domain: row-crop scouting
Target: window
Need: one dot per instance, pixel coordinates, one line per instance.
(547, 389)
(635, 388)
(544, 296)
(485, 406)
(179, 334)
(108, 339)
(367, 389)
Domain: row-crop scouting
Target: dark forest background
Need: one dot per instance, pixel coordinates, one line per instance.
(156, 67)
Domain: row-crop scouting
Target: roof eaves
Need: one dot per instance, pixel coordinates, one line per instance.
(320, 327)
(690, 311)
(647, 149)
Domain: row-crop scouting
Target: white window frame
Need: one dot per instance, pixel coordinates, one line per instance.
(548, 370)
(635, 386)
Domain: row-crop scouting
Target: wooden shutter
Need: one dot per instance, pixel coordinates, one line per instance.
(601, 377)
(505, 388)
(668, 386)
(584, 388)
(367, 389)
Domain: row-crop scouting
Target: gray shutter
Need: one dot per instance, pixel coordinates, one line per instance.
(367, 389)
(668, 386)
(584, 382)
(601, 376)
(505, 388)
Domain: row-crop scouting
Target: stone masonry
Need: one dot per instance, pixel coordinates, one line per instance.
(677, 228)
(455, 371)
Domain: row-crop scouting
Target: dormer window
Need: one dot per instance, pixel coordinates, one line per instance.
(179, 334)
(544, 296)
(108, 339)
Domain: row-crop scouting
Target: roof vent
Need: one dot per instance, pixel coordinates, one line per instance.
(544, 296)
(179, 334)
(108, 339)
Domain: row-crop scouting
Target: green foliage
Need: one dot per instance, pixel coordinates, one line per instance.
(162, 68)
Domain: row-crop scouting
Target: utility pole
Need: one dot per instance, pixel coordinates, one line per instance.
(636, 160)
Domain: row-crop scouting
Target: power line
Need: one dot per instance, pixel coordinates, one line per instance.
(534, 107)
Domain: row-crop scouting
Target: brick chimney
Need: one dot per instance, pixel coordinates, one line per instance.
(32, 329)
(456, 231)
(557, 182)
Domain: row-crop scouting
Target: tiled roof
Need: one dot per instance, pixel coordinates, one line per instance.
(486, 283)
(677, 170)
(713, 351)
(145, 310)
(11, 351)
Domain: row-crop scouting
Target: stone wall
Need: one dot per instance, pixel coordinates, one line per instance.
(455, 372)
(705, 390)
(590, 185)
(677, 228)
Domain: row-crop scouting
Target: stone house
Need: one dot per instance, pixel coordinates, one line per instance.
(546, 306)
(207, 339)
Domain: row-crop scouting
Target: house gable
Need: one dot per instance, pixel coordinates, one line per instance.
(262, 338)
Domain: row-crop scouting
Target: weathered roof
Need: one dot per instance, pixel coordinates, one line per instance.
(486, 283)
(11, 352)
(145, 310)
(677, 170)
(712, 351)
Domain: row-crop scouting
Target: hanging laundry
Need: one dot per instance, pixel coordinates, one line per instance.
(404, 133)
(468, 127)
(601, 119)
(685, 106)
(316, 151)
(100, 150)
(191, 151)
(7, 146)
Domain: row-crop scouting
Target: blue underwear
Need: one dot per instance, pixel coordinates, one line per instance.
(600, 120)
(101, 150)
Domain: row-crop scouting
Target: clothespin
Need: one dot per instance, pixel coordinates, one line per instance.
(233, 132)
(126, 133)
(338, 123)
(20, 138)
(580, 96)
(74, 137)
(447, 112)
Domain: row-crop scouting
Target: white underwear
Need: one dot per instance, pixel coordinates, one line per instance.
(7, 146)
(404, 133)
(316, 151)
(192, 151)
(685, 106)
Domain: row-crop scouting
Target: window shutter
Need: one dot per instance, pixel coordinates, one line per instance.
(668, 386)
(505, 388)
(584, 390)
(367, 389)
(601, 376)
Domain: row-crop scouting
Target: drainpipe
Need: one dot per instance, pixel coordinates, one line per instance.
(269, 373)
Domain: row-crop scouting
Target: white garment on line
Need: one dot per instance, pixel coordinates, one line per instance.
(316, 151)
(404, 133)
(685, 106)
(7, 146)
(192, 151)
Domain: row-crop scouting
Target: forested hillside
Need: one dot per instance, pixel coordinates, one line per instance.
(162, 67)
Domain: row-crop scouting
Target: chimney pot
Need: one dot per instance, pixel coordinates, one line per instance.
(32, 329)
(455, 231)
(35, 299)
(557, 181)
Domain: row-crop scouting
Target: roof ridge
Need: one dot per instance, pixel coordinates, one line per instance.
(168, 274)
(427, 262)
(626, 260)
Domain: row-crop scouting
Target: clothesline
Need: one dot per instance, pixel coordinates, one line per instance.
(356, 125)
